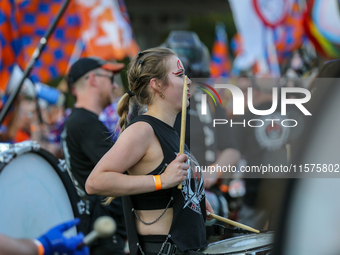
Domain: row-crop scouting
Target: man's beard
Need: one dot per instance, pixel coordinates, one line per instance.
(106, 100)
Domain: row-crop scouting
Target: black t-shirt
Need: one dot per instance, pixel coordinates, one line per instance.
(188, 225)
(85, 141)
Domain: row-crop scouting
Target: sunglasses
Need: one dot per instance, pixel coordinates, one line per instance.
(111, 77)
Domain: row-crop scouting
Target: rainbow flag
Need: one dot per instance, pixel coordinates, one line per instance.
(220, 65)
(317, 35)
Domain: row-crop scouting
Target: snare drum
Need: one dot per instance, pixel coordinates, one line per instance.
(36, 192)
(242, 245)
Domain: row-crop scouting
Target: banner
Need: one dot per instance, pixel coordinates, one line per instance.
(272, 12)
(34, 18)
(326, 15)
(87, 28)
(106, 30)
(10, 44)
(290, 35)
(321, 35)
(251, 29)
(220, 62)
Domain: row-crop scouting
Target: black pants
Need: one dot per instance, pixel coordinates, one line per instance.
(112, 245)
(109, 246)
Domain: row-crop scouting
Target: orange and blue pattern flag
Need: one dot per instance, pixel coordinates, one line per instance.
(291, 34)
(103, 28)
(34, 18)
(10, 43)
(106, 30)
(220, 63)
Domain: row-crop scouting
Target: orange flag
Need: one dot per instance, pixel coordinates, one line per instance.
(105, 31)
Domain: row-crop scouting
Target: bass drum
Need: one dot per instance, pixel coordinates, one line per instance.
(242, 245)
(36, 192)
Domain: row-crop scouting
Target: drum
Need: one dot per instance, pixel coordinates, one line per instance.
(36, 192)
(242, 245)
(310, 222)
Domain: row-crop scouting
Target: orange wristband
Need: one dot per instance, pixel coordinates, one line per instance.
(158, 183)
(41, 249)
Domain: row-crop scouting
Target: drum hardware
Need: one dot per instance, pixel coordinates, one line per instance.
(13, 150)
(254, 244)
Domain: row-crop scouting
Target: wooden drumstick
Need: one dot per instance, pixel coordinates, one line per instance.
(288, 153)
(231, 222)
(103, 227)
(183, 121)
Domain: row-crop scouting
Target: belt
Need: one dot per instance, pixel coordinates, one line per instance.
(168, 248)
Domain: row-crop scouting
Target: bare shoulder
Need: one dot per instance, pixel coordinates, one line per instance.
(131, 146)
(140, 129)
(140, 133)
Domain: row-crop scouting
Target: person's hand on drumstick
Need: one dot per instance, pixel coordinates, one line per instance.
(209, 209)
(176, 172)
(50, 243)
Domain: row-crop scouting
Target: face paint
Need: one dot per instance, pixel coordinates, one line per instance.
(178, 73)
(179, 65)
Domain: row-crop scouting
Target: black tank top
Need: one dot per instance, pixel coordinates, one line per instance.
(188, 225)
(168, 139)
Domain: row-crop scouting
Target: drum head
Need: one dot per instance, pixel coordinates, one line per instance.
(238, 245)
(32, 197)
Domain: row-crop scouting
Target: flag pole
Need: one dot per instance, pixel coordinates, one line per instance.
(34, 57)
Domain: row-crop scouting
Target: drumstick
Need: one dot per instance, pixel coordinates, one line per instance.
(231, 222)
(184, 120)
(288, 153)
(103, 227)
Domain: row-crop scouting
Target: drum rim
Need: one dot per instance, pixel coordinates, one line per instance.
(242, 237)
(65, 179)
(62, 174)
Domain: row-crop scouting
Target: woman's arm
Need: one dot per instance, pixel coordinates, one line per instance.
(52, 242)
(12, 246)
(107, 178)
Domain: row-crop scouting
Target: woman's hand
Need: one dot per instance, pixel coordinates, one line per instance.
(176, 172)
(209, 209)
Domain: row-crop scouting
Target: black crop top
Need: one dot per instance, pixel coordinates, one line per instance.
(169, 141)
(187, 229)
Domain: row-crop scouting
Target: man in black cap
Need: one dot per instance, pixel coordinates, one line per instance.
(85, 140)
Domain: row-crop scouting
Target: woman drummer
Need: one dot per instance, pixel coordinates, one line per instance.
(160, 217)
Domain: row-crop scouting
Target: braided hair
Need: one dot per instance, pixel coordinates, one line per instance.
(151, 63)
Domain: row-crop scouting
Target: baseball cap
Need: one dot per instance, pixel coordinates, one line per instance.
(84, 65)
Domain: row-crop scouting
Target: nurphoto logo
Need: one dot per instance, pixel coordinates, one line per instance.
(239, 109)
